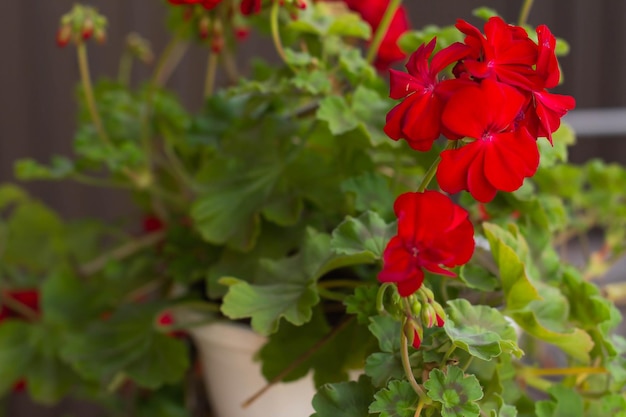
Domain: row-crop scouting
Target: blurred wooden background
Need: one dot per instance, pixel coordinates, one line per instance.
(37, 107)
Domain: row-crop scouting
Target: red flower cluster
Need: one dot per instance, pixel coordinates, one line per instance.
(372, 12)
(498, 99)
(433, 234)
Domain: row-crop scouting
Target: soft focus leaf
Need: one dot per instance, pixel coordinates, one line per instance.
(480, 330)
(344, 399)
(128, 342)
(456, 392)
(367, 235)
(397, 400)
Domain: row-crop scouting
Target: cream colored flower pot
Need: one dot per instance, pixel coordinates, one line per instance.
(227, 352)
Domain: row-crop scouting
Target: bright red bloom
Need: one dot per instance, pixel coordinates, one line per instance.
(418, 118)
(249, 7)
(503, 153)
(544, 118)
(433, 234)
(505, 53)
(207, 4)
(372, 12)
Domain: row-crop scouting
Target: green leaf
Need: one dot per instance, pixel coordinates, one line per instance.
(350, 25)
(366, 235)
(228, 213)
(508, 254)
(369, 107)
(362, 303)
(345, 399)
(567, 403)
(576, 342)
(484, 13)
(335, 111)
(344, 351)
(16, 352)
(128, 342)
(478, 277)
(480, 330)
(286, 288)
(557, 152)
(383, 367)
(456, 392)
(387, 331)
(34, 238)
(397, 400)
(371, 191)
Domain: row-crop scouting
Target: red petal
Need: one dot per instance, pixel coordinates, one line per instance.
(402, 84)
(477, 183)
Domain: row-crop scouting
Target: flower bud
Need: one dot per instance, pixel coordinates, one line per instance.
(203, 27)
(414, 333)
(87, 29)
(64, 35)
(429, 315)
(441, 314)
(416, 308)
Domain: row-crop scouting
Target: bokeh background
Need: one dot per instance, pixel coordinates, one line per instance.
(37, 82)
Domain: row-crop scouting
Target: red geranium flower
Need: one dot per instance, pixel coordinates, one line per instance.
(249, 7)
(544, 116)
(372, 12)
(502, 155)
(433, 234)
(505, 53)
(418, 118)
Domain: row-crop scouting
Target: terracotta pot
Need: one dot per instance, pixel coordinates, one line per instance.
(227, 353)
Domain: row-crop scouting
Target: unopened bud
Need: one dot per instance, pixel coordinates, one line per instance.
(100, 36)
(88, 28)
(301, 4)
(441, 314)
(414, 333)
(416, 308)
(64, 34)
(203, 27)
(217, 44)
(429, 315)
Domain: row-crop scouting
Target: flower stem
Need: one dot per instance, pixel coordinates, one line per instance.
(121, 252)
(524, 12)
(432, 170)
(125, 68)
(382, 29)
(278, 44)
(211, 72)
(406, 364)
(85, 77)
(341, 283)
(330, 295)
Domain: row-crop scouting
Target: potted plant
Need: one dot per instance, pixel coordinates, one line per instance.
(396, 235)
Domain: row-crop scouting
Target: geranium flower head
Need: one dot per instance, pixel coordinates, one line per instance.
(504, 52)
(417, 119)
(372, 12)
(433, 234)
(502, 154)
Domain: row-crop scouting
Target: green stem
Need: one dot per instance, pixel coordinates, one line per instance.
(121, 252)
(382, 29)
(125, 69)
(168, 61)
(432, 170)
(380, 297)
(524, 12)
(85, 76)
(449, 353)
(406, 365)
(330, 295)
(211, 72)
(420, 407)
(278, 44)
